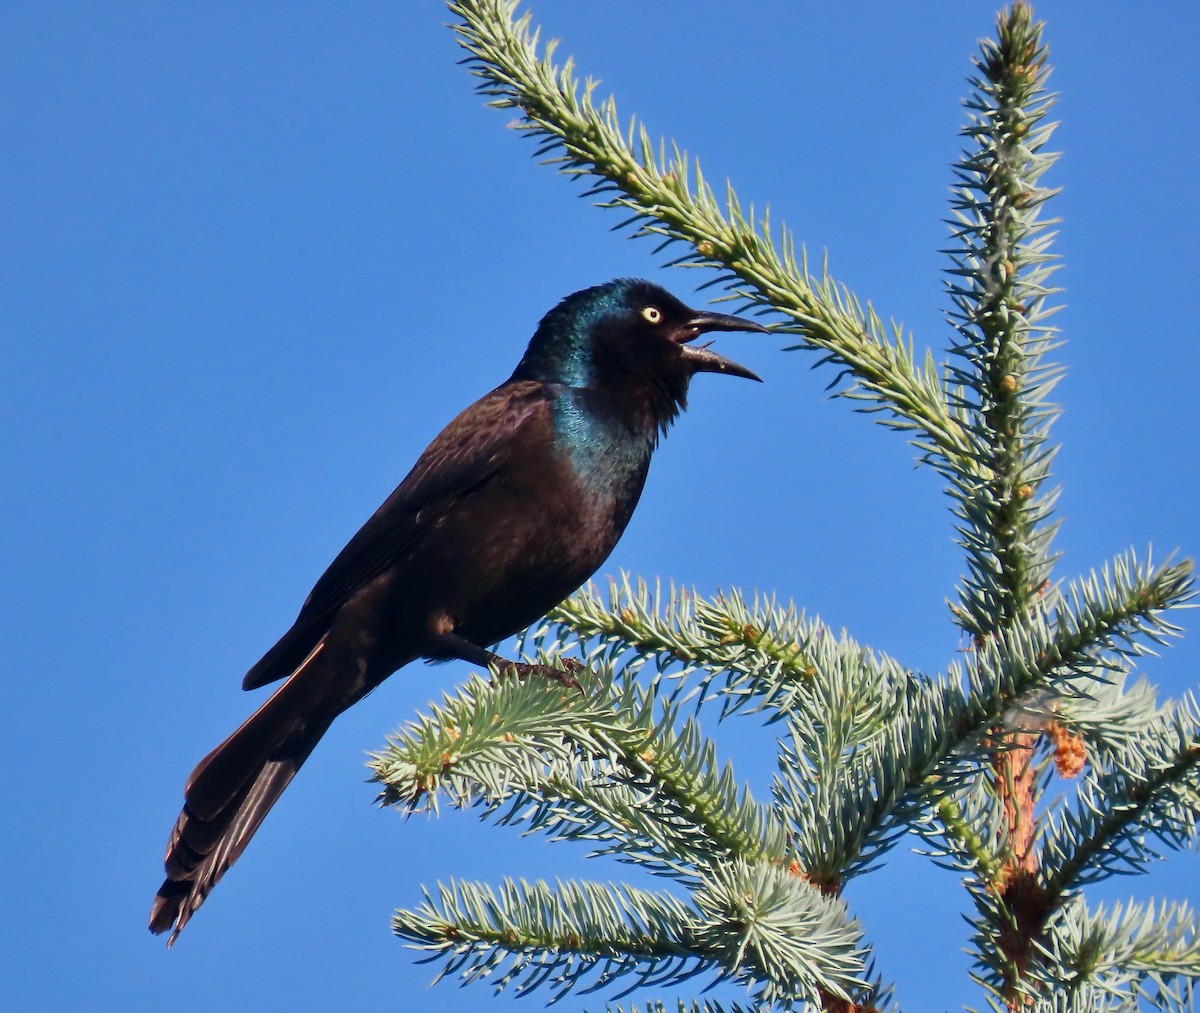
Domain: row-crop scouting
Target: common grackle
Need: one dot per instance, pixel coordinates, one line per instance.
(513, 505)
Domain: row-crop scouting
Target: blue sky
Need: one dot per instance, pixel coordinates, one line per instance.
(257, 255)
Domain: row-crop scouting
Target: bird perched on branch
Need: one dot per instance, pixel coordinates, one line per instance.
(513, 505)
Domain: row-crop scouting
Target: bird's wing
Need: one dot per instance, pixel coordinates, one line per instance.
(465, 456)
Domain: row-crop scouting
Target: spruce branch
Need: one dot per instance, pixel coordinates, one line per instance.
(490, 739)
(800, 942)
(749, 923)
(612, 766)
(967, 835)
(757, 655)
(708, 1006)
(1104, 719)
(999, 290)
(1105, 620)
(1134, 951)
(939, 724)
(1084, 1000)
(1150, 791)
(1111, 615)
(663, 202)
(847, 798)
(528, 934)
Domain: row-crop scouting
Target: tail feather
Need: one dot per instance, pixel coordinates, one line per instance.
(232, 789)
(226, 773)
(229, 795)
(200, 851)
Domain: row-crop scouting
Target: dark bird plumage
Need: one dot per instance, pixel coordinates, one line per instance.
(513, 505)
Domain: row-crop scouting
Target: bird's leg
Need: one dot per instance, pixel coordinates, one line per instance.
(476, 655)
(522, 670)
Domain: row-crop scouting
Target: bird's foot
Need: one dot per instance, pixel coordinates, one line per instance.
(564, 675)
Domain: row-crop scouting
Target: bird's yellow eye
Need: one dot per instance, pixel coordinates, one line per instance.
(652, 315)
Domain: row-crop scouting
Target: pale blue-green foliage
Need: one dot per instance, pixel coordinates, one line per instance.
(744, 920)
(1092, 999)
(998, 379)
(860, 803)
(519, 924)
(868, 749)
(707, 1006)
(1130, 957)
(786, 934)
(754, 656)
(1112, 712)
(617, 767)
(1137, 950)
(612, 766)
(1149, 791)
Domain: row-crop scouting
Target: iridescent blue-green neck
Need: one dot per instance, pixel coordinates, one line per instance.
(608, 455)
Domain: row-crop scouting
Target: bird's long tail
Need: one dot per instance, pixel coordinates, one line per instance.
(230, 793)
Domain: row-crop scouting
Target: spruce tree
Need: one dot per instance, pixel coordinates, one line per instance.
(1034, 765)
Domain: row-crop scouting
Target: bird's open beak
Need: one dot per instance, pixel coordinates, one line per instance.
(702, 358)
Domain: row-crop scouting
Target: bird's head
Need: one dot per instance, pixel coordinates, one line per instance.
(631, 335)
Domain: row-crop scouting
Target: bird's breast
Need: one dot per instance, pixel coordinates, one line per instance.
(514, 545)
(606, 455)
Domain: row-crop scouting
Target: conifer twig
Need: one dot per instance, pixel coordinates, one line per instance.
(663, 201)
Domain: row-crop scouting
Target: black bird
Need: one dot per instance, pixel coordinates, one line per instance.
(513, 505)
